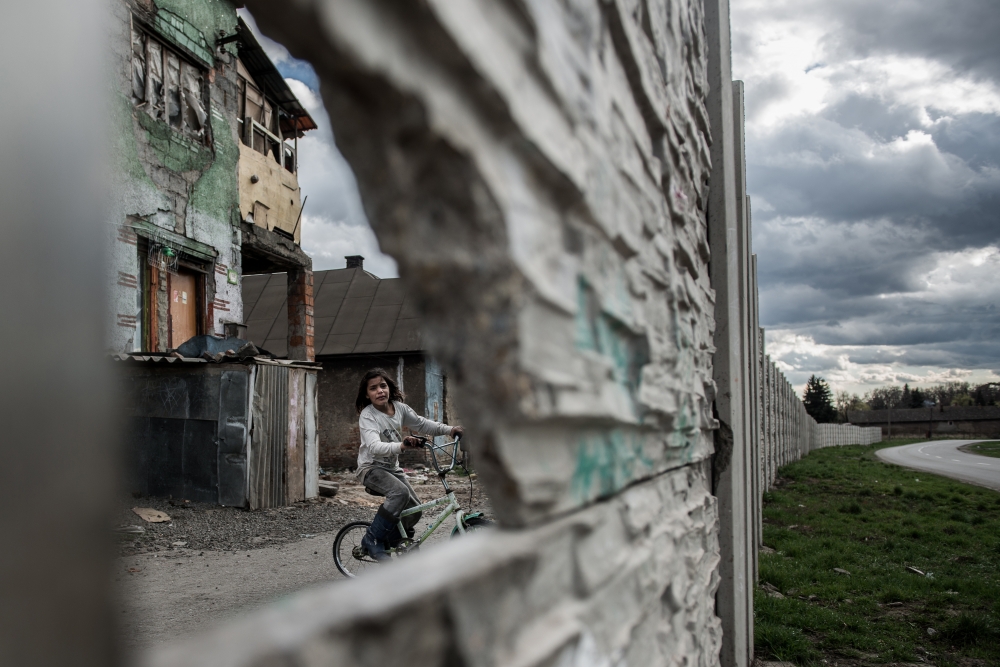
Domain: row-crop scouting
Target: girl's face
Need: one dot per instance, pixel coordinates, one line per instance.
(378, 392)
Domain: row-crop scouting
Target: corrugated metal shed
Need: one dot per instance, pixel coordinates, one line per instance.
(239, 434)
(355, 313)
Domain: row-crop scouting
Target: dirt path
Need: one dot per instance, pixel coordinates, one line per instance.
(167, 592)
(166, 596)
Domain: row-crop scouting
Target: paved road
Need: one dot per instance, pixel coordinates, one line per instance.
(943, 457)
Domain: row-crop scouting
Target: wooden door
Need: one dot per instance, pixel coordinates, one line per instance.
(183, 308)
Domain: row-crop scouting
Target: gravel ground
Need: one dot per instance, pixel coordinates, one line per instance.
(211, 563)
(205, 527)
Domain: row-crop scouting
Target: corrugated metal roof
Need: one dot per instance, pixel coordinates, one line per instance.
(354, 313)
(140, 358)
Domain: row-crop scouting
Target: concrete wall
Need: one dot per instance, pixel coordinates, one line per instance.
(833, 435)
(789, 432)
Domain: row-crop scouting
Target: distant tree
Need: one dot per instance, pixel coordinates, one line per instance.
(962, 399)
(987, 394)
(906, 399)
(945, 394)
(917, 398)
(846, 402)
(884, 398)
(819, 401)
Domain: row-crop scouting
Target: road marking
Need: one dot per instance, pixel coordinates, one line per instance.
(982, 464)
(937, 457)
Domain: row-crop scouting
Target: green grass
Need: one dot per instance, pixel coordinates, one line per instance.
(991, 448)
(840, 507)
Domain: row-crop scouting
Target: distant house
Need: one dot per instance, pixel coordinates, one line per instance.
(959, 420)
(361, 321)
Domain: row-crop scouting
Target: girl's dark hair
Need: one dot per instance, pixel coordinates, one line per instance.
(394, 393)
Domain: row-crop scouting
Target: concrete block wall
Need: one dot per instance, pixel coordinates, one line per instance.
(833, 435)
(788, 433)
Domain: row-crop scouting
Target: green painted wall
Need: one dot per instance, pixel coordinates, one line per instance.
(210, 16)
(217, 191)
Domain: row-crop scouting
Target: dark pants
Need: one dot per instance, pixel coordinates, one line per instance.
(399, 495)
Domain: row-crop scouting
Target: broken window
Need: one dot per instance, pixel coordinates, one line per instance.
(194, 120)
(138, 67)
(154, 74)
(168, 87)
(260, 123)
(173, 90)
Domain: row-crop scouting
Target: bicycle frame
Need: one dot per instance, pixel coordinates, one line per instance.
(452, 507)
(448, 499)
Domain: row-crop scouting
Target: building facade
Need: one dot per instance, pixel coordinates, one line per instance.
(971, 421)
(205, 186)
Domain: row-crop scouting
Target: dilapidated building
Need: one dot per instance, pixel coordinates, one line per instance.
(205, 179)
(362, 322)
(206, 192)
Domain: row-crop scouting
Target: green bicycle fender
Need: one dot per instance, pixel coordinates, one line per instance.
(470, 515)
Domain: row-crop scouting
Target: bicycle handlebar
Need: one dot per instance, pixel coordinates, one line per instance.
(429, 444)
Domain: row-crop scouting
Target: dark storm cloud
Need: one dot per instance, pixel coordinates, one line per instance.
(815, 166)
(958, 33)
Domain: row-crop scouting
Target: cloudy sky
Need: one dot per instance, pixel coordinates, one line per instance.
(873, 162)
(873, 146)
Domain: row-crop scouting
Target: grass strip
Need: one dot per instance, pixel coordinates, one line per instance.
(842, 528)
(991, 448)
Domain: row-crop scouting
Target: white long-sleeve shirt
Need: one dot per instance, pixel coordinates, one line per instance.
(382, 439)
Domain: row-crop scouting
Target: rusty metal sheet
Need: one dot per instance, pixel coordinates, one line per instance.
(269, 437)
(295, 459)
(310, 427)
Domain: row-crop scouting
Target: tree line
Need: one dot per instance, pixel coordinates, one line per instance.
(826, 408)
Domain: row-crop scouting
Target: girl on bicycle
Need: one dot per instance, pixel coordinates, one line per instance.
(382, 414)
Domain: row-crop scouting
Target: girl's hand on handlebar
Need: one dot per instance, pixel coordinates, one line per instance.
(457, 431)
(412, 442)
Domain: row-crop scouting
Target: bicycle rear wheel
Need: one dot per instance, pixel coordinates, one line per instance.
(348, 554)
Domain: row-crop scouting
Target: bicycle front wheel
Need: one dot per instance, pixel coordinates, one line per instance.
(473, 525)
(348, 554)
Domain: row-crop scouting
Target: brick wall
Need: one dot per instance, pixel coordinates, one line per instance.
(337, 391)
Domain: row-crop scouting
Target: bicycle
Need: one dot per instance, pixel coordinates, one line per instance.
(352, 559)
